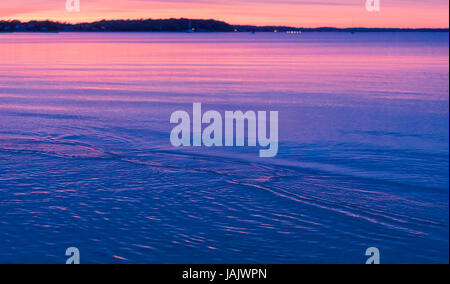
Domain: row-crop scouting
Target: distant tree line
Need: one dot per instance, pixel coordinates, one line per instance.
(169, 25)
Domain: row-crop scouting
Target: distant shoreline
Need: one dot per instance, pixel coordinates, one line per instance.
(177, 25)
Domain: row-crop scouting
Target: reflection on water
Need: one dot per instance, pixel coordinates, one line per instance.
(86, 160)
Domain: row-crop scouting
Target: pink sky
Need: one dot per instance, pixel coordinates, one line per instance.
(312, 13)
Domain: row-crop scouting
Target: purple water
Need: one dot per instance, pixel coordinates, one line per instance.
(86, 159)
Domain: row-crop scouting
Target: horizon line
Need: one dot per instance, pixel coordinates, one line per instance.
(234, 25)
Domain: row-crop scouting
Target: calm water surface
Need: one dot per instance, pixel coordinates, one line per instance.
(86, 160)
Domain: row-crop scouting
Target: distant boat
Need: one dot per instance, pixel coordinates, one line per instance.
(190, 28)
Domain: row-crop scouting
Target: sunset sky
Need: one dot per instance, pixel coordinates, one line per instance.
(312, 13)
